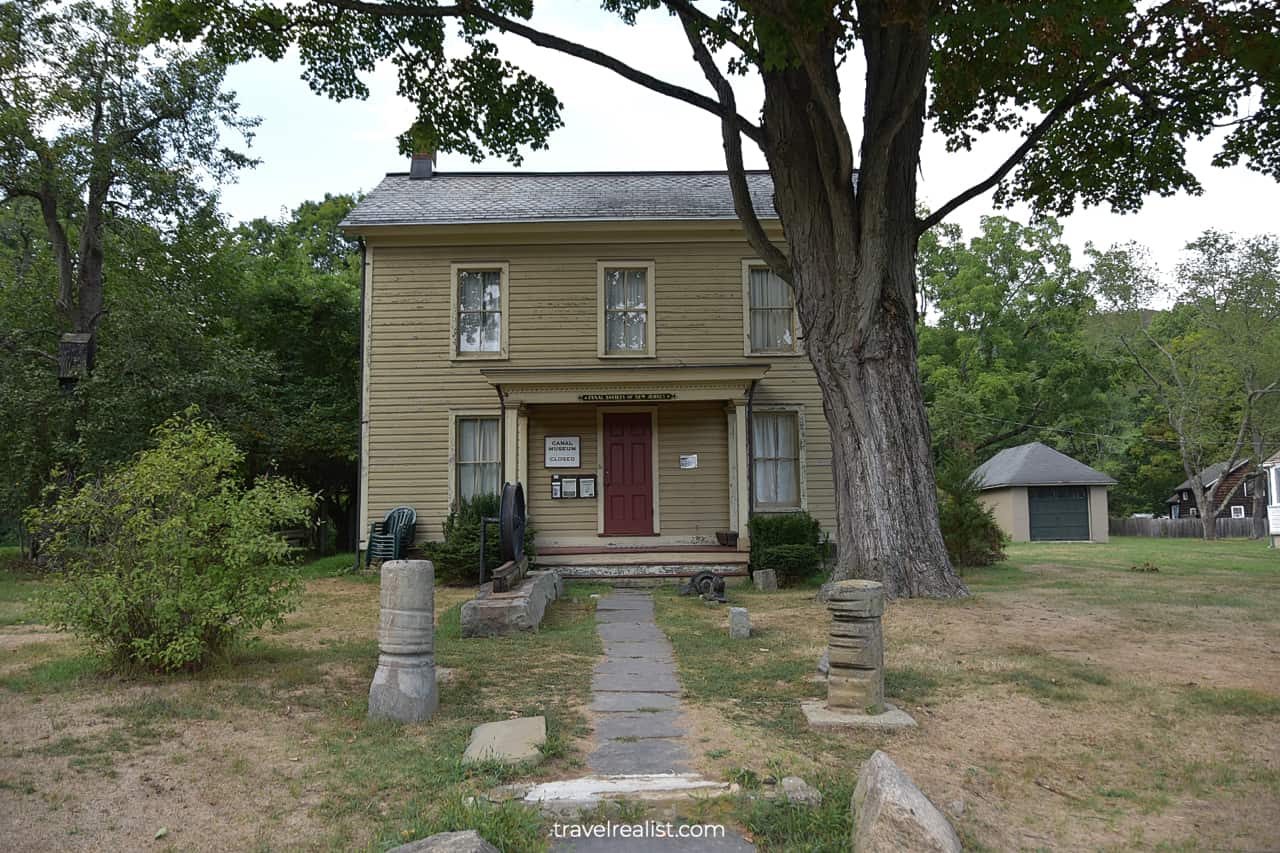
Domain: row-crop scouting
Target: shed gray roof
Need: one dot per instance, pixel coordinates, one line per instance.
(1036, 464)
(453, 198)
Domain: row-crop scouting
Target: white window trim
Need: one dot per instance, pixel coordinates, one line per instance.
(601, 411)
(1237, 508)
(651, 316)
(801, 461)
(504, 299)
(748, 264)
(454, 416)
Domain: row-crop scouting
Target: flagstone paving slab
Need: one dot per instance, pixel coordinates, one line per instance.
(642, 724)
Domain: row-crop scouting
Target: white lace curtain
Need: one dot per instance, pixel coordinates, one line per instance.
(477, 457)
(775, 442)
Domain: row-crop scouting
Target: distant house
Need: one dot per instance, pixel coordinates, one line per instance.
(1182, 503)
(1039, 494)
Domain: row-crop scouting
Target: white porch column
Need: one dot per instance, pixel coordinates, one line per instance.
(511, 444)
(743, 477)
(522, 449)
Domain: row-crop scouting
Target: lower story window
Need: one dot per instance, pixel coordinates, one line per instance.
(775, 443)
(1237, 512)
(476, 457)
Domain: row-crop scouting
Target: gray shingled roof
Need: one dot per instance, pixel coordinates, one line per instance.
(1208, 476)
(452, 198)
(1036, 464)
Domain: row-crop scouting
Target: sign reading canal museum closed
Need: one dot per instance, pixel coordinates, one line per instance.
(563, 451)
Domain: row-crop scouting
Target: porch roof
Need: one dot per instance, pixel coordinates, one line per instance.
(630, 383)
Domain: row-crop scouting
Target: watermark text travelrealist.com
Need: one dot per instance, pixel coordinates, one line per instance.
(645, 829)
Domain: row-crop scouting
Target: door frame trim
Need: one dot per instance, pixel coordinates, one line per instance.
(601, 411)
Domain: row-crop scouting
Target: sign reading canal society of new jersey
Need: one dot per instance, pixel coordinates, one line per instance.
(563, 451)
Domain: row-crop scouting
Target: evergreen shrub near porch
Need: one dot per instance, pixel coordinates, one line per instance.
(788, 543)
(457, 558)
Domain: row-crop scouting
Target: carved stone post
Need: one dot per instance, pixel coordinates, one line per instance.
(404, 685)
(855, 680)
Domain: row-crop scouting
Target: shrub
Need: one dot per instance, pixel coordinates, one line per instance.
(791, 562)
(969, 529)
(166, 560)
(457, 558)
(789, 543)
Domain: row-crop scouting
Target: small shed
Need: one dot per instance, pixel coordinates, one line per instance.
(1038, 494)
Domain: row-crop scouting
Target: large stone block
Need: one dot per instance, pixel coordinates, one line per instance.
(508, 741)
(765, 579)
(739, 623)
(499, 614)
(891, 814)
(468, 841)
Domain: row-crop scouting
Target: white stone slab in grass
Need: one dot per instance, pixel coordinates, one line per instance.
(508, 741)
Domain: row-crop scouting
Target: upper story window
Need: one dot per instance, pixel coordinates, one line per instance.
(770, 312)
(626, 322)
(479, 310)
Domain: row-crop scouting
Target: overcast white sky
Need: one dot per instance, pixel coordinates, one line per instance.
(310, 145)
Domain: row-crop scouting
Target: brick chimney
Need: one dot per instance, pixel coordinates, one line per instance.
(422, 165)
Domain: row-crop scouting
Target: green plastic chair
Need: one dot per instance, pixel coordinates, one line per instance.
(391, 538)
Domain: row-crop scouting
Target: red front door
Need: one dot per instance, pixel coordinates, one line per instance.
(628, 473)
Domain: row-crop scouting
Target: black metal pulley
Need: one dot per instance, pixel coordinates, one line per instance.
(511, 521)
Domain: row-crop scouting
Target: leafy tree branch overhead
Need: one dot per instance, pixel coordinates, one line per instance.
(1105, 95)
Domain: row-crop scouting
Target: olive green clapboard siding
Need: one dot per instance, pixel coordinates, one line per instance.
(551, 315)
(552, 518)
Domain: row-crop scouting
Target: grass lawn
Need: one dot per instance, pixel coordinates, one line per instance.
(1069, 703)
(270, 749)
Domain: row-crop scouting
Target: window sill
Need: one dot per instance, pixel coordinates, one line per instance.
(775, 353)
(613, 355)
(480, 356)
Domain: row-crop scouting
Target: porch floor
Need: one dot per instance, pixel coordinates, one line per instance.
(641, 561)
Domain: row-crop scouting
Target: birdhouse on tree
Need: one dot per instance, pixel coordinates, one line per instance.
(75, 359)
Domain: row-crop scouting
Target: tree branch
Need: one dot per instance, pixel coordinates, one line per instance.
(1073, 99)
(551, 42)
(735, 38)
(742, 205)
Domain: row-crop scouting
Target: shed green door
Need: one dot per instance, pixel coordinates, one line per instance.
(1059, 512)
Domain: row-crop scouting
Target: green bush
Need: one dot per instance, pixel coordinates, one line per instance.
(457, 558)
(969, 529)
(166, 560)
(791, 562)
(789, 543)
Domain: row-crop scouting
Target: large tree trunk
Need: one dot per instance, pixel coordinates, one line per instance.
(852, 256)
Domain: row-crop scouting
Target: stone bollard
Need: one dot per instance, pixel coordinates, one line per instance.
(739, 623)
(404, 685)
(765, 580)
(855, 650)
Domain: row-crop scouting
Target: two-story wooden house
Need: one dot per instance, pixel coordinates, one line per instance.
(609, 340)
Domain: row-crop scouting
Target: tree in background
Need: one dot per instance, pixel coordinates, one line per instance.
(1004, 358)
(97, 127)
(1103, 94)
(298, 303)
(1211, 361)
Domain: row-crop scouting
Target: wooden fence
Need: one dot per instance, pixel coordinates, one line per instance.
(1180, 528)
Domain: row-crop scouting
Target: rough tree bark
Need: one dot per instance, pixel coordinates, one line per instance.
(852, 263)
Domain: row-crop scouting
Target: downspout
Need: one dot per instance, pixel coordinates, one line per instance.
(360, 417)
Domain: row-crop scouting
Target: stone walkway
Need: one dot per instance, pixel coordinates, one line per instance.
(636, 706)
